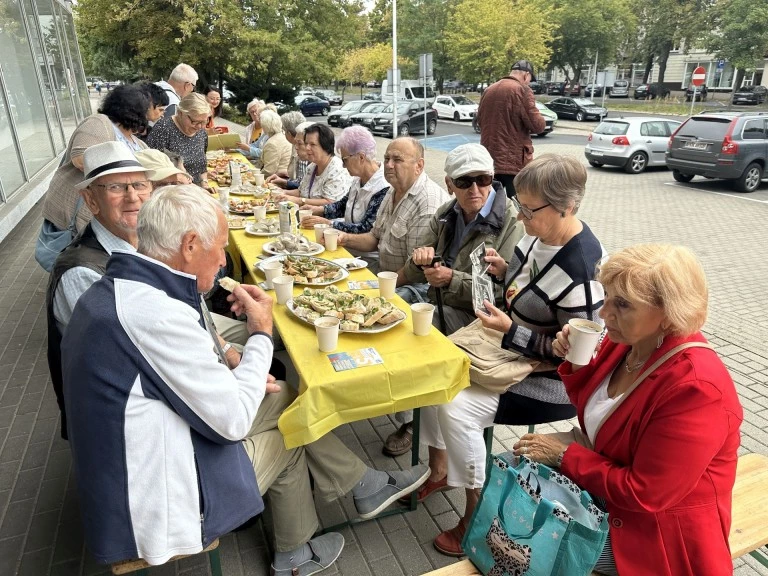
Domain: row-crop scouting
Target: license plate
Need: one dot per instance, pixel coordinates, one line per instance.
(692, 145)
(596, 153)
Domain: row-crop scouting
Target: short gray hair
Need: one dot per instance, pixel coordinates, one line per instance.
(255, 102)
(559, 180)
(183, 73)
(172, 212)
(291, 120)
(270, 122)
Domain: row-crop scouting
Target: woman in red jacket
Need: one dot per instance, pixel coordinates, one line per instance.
(660, 453)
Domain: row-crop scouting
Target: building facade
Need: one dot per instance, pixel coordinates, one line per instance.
(43, 97)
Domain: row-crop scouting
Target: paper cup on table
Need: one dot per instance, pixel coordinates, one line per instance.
(422, 317)
(304, 214)
(387, 284)
(319, 229)
(583, 337)
(271, 271)
(260, 213)
(327, 329)
(258, 178)
(331, 238)
(283, 288)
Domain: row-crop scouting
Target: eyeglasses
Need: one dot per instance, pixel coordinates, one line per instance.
(181, 179)
(140, 186)
(465, 182)
(196, 123)
(345, 158)
(524, 210)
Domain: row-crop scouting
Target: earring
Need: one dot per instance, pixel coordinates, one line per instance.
(660, 341)
(562, 214)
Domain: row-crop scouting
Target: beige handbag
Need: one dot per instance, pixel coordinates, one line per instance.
(491, 366)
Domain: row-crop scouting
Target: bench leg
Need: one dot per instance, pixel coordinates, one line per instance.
(215, 561)
(760, 557)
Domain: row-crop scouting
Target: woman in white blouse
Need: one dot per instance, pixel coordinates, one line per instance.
(326, 179)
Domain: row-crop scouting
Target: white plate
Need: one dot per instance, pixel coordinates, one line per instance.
(243, 226)
(351, 263)
(376, 329)
(251, 232)
(314, 250)
(344, 273)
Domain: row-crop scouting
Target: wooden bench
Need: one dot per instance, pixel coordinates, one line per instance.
(140, 568)
(749, 525)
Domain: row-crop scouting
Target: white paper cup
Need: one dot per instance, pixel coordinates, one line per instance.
(331, 238)
(387, 284)
(304, 214)
(260, 213)
(283, 288)
(271, 271)
(258, 178)
(319, 229)
(422, 317)
(327, 329)
(582, 340)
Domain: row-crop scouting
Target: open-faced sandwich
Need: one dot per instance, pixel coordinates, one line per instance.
(356, 311)
(228, 283)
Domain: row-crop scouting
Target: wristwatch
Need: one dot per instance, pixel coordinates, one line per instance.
(560, 459)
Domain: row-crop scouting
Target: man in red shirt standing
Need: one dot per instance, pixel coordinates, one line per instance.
(507, 117)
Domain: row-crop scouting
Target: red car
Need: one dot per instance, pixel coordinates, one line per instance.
(573, 89)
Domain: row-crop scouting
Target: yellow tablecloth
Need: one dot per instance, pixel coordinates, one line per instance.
(417, 370)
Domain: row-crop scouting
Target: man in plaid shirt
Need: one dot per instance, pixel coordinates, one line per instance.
(403, 218)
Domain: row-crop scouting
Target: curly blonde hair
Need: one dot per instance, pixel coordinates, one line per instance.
(664, 276)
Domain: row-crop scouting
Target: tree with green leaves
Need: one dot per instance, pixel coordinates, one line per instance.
(485, 37)
(589, 28)
(422, 26)
(739, 33)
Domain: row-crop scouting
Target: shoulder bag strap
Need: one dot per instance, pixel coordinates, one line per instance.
(650, 370)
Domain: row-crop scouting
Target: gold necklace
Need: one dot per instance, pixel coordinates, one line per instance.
(632, 367)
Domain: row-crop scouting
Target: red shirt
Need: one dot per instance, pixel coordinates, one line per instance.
(664, 461)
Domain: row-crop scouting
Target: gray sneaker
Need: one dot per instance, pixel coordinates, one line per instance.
(400, 483)
(325, 550)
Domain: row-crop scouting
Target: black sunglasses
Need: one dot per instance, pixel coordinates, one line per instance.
(465, 182)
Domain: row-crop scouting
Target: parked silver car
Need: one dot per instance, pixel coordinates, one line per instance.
(620, 89)
(632, 143)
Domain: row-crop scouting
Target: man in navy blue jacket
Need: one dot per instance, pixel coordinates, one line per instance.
(171, 447)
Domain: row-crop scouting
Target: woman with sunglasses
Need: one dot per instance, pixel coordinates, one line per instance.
(549, 280)
(184, 133)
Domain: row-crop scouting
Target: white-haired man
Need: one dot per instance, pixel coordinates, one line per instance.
(172, 448)
(180, 83)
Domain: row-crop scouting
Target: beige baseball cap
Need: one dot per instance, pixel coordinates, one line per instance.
(466, 159)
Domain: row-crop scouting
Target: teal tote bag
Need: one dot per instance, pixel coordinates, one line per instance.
(533, 521)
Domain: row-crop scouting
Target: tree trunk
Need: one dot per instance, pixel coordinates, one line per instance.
(663, 57)
(648, 68)
(739, 79)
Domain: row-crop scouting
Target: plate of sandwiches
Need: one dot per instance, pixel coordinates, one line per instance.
(357, 313)
(308, 270)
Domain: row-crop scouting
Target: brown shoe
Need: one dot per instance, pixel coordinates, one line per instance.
(449, 542)
(399, 442)
(427, 489)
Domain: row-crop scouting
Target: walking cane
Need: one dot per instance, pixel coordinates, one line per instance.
(439, 297)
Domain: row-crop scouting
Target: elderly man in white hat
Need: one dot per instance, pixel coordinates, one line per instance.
(161, 169)
(480, 212)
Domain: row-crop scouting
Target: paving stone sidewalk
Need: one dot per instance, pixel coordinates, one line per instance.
(40, 527)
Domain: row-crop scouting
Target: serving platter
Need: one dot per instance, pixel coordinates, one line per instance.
(292, 265)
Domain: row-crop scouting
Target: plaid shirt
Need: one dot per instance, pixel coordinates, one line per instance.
(399, 229)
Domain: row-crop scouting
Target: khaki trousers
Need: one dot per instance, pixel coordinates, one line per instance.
(282, 473)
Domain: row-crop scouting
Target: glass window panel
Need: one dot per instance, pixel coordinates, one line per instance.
(71, 69)
(42, 64)
(23, 90)
(77, 63)
(57, 58)
(11, 176)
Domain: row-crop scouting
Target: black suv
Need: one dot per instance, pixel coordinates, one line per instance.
(728, 145)
(750, 95)
(410, 119)
(701, 93)
(651, 91)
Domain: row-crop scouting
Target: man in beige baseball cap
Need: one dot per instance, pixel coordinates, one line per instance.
(161, 169)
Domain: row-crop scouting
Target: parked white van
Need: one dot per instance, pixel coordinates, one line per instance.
(409, 90)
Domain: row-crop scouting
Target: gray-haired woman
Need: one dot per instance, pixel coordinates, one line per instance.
(276, 152)
(549, 280)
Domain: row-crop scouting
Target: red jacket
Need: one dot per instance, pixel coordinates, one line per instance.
(508, 116)
(664, 461)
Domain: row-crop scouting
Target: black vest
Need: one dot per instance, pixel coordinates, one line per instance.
(85, 250)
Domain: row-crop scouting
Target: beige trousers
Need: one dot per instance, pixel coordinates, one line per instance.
(282, 473)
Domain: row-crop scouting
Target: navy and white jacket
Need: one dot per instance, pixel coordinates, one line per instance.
(155, 421)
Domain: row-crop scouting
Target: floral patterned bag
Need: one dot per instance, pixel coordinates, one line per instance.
(533, 521)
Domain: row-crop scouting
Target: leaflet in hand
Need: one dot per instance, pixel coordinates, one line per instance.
(482, 286)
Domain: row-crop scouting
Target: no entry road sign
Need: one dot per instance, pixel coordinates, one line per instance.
(699, 76)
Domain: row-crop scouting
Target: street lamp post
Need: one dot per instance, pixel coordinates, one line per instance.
(395, 76)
